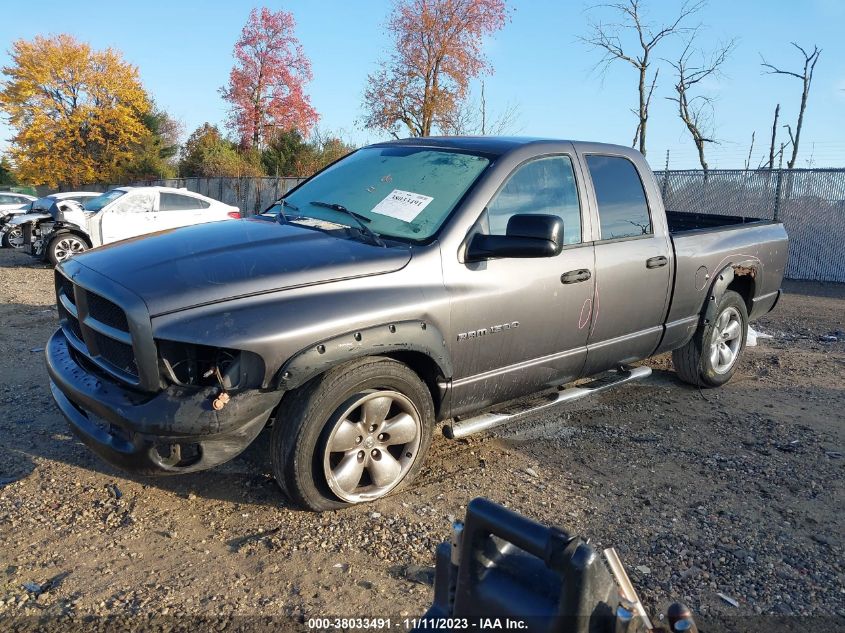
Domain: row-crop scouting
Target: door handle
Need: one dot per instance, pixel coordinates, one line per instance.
(656, 262)
(575, 276)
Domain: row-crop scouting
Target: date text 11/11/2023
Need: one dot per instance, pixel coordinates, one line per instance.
(477, 624)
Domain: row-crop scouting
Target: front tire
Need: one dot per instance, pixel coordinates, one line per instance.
(13, 238)
(354, 434)
(65, 246)
(711, 357)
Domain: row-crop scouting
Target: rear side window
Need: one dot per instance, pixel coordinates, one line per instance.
(545, 186)
(178, 202)
(623, 210)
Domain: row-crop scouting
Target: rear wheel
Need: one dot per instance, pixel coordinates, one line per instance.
(13, 237)
(64, 246)
(711, 356)
(352, 435)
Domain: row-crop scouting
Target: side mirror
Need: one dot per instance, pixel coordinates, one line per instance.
(527, 235)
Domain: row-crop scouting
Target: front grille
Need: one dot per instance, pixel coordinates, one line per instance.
(83, 317)
(118, 354)
(106, 312)
(73, 326)
(66, 286)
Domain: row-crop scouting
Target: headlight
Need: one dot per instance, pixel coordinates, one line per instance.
(191, 365)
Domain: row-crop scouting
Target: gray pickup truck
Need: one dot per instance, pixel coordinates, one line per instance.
(466, 280)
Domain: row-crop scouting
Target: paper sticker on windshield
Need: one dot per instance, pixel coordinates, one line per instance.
(402, 205)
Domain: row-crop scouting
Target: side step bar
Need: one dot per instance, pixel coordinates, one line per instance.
(461, 428)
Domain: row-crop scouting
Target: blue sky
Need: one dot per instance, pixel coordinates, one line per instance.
(183, 50)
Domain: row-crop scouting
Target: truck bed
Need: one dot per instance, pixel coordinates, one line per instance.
(704, 244)
(680, 221)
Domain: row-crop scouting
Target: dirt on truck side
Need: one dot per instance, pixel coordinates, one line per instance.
(736, 491)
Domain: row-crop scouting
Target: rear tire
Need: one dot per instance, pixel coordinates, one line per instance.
(711, 357)
(65, 246)
(354, 434)
(13, 238)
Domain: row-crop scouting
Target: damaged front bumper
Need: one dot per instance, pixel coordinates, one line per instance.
(174, 431)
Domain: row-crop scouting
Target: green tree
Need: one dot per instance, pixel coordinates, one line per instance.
(289, 154)
(322, 150)
(155, 156)
(208, 154)
(7, 173)
(282, 153)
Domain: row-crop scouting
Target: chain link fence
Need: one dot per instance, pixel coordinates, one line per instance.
(809, 202)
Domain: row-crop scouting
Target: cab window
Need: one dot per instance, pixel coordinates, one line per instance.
(543, 186)
(623, 210)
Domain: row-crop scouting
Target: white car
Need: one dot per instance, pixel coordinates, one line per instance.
(9, 200)
(12, 204)
(32, 216)
(122, 213)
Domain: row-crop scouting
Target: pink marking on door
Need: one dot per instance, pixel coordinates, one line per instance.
(586, 311)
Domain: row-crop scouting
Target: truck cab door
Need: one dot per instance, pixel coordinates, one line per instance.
(633, 264)
(130, 215)
(520, 324)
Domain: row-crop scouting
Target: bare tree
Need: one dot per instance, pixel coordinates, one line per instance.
(696, 111)
(806, 78)
(608, 37)
(472, 118)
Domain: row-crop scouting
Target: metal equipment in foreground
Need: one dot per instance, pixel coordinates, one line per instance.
(504, 571)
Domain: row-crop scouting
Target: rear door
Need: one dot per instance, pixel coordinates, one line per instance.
(633, 257)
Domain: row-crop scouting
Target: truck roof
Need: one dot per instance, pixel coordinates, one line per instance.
(494, 145)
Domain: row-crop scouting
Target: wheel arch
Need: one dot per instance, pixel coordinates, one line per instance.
(417, 344)
(80, 234)
(741, 277)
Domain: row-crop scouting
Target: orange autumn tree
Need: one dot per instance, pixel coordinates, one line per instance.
(437, 51)
(77, 113)
(266, 88)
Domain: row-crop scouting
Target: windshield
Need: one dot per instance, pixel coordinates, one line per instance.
(96, 204)
(403, 192)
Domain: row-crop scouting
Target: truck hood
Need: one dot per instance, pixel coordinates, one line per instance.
(207, 263)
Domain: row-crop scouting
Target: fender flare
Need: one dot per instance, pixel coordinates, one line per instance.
(720, 284)
(399, 336)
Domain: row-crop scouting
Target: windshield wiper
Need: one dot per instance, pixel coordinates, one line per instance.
(360, 219)
(282, 215)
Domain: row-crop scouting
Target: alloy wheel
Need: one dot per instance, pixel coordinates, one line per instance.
(67, 247)
(372, 446)
(726, 340)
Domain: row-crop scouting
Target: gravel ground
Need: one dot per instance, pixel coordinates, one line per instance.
(736, 491)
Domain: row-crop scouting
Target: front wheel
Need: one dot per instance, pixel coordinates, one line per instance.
(352, 435)
(13, 237)
(710, 358)
(64, 246)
